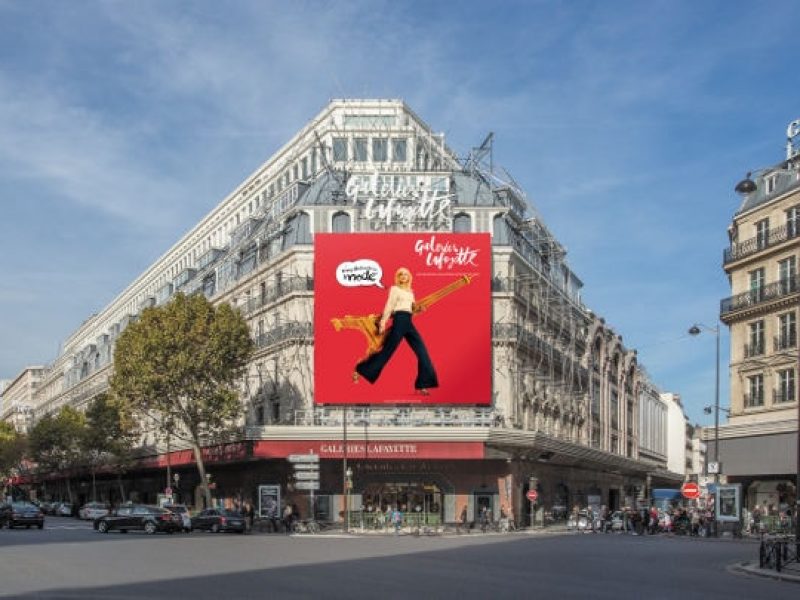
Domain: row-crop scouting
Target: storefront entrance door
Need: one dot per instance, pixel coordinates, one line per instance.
(481, 501)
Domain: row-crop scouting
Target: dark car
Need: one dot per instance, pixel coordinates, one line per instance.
(219, 519)
(21, 513)
(139, 516)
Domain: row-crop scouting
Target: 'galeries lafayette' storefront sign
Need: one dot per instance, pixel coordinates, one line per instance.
(374, 450)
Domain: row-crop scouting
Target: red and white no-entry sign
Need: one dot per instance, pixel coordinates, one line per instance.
(690, 490)
(532, 495)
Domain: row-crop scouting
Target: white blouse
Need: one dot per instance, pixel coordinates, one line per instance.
(399, 299)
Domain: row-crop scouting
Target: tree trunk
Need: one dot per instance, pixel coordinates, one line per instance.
(201, 469)
(121, 489)
(69, 490)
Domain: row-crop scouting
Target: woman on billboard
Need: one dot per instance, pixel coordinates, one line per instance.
(400, 305)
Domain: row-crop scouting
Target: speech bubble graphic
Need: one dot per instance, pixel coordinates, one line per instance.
(362, 272)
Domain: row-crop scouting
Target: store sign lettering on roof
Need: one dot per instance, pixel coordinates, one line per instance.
(408, 200)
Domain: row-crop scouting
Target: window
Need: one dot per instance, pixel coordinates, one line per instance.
(756, 345)
(360, 150)
(339, 149)
(462, 223)
(787, 331)
(341, 223)
(304, 167)
(785, 391)
(380, 150)
(793, 222)
(756, 284)
(771, 183)
(399, 149)
(755, 397)
(787, 273)
(762, 233)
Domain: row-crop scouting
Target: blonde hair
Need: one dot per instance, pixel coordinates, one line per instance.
(397, 277)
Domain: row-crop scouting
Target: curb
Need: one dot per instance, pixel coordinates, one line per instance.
(752, 568)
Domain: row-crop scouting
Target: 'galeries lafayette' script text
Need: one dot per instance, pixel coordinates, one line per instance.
(445, 255)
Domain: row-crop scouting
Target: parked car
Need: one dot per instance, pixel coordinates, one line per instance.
(139, 516)
(93, 510)
(21, 513)
(64, 510)
(183, 511)
(219, 519)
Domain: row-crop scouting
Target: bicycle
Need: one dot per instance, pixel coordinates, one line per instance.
(307, 526)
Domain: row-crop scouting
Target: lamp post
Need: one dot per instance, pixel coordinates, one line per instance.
(346, 472)
(696, 329)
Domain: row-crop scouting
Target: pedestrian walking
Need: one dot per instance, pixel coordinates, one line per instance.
(397, 520)
(462, 520)
(249, 516)
(287, 518)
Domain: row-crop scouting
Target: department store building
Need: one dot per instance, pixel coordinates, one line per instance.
(567, 409)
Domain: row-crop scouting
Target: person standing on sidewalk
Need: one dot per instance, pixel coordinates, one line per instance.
(397, 520)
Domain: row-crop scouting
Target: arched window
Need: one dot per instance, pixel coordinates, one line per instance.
(462, 223)
(500, 235)
(341, 223)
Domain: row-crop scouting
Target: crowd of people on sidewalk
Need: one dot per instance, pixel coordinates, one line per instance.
(692, 521)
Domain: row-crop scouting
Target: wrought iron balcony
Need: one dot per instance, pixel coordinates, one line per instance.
(756, 349)
(782, 395)
(761, 295)
(753, 400)
(762, 242)
(785, 342)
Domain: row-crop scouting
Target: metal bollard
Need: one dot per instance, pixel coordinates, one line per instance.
(778, 556)
(762, 553)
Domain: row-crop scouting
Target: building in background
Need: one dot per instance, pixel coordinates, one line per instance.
(559, 412)
(19, 397)
(758, 443)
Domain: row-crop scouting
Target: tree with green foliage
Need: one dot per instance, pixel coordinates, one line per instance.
(56, 443)
(179, 365)
(13, 446)
(109, 437)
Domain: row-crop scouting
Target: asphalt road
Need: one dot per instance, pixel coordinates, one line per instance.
(70, 560)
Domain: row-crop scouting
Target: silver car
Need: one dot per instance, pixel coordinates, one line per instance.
(93, 510)
(183, 511)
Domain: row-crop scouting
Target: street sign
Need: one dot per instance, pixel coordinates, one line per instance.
(303, 458)
(690, 490)
(307, 475)
(714, 468)
(306, 466)
(307, 485)
(532, 495)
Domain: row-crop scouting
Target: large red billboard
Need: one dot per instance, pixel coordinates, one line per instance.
(402, 318)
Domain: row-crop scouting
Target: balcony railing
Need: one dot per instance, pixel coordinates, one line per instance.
(756, 349)
(761, 242)
(784, 342)
(282, 333)
(761, 295)
(278, 290)
(782, 395)
(753, 400)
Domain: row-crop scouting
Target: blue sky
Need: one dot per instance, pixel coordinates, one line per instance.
(627, 123)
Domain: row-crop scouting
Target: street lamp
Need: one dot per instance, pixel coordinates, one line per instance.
(697, 329)
(348, 484)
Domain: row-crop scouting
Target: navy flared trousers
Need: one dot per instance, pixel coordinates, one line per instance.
(402, 329)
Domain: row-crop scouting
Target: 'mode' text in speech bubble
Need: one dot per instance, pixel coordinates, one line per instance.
(359, 272)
